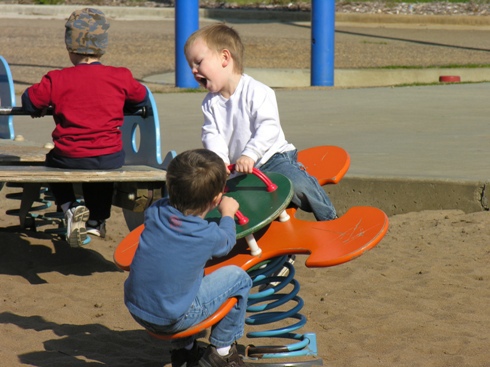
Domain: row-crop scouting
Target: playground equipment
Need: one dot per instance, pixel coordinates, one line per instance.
(7, 98)
(137, 184)
(326, 244)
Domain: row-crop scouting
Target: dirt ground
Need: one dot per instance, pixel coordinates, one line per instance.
(32, 47)
(419, 298)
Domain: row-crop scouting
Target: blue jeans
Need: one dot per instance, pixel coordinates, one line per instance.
(308, 194)
(216, 288)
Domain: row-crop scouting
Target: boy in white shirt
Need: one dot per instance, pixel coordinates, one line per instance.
(241, 117)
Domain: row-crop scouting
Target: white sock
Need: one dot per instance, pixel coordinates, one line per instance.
(189, 346)
(223, 351)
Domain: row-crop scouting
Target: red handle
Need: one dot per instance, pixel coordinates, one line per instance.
(241, 218)
(270, 186)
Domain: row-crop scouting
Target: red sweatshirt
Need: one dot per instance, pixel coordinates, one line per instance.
(88, 102)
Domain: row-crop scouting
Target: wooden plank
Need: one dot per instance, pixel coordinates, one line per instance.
(30, 155)
(13, 152)
(42, 174)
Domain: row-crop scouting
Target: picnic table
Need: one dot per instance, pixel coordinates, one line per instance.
(137, 184)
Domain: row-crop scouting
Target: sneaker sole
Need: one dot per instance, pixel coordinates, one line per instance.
(93, 231)
(78, 234)
(98, 232)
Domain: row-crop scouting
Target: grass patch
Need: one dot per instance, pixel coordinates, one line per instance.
(374, 42)
(264, 2)
(449, 66)
(193, 90)
(433, 84)
(48, 2)
(388, 2)
(285, 3)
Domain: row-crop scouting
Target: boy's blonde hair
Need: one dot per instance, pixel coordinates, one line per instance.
(219, 37)
(194, 178)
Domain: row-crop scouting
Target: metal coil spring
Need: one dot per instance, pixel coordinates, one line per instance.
(268, 298)
(42, 203)
(35, 219)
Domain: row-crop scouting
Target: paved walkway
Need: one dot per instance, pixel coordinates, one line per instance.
(434, 137)
(412, 148)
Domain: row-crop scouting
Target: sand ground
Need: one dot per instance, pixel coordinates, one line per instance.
(419, 298)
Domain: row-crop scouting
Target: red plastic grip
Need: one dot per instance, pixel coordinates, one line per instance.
(241, 218)
(270, 186)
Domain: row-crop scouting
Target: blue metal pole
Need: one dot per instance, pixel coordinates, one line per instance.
(322, 42)
(186, 23)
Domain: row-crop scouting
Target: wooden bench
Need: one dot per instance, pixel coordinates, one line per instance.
(137, 184)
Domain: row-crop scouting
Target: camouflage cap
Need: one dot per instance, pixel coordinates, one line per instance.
(86, 32)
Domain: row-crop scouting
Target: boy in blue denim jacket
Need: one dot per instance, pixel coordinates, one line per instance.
(166, 291)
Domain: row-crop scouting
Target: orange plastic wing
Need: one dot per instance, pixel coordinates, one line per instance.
(327, 163)
(221, 312)
(328, 243)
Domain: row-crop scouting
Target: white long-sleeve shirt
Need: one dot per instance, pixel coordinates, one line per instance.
(245, 124)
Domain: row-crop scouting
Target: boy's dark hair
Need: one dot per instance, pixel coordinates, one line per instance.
(194, 178)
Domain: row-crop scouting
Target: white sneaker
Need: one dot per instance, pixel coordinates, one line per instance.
(75, 218)
(283, 272)
(96, 228)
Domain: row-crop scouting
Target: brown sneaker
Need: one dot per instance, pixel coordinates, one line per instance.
(211, 358)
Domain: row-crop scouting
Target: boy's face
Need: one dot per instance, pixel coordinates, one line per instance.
(208, 66)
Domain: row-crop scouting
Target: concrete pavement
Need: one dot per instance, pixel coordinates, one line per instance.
(412, 148)
(350, 78)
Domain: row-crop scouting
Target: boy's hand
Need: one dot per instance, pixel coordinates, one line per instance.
(228, 206)
(40, 113)
(244, 164)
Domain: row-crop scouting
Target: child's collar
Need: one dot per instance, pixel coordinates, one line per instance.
(90, 63)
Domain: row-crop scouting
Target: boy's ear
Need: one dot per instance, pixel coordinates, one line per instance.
(217, 199)
(225, 57)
